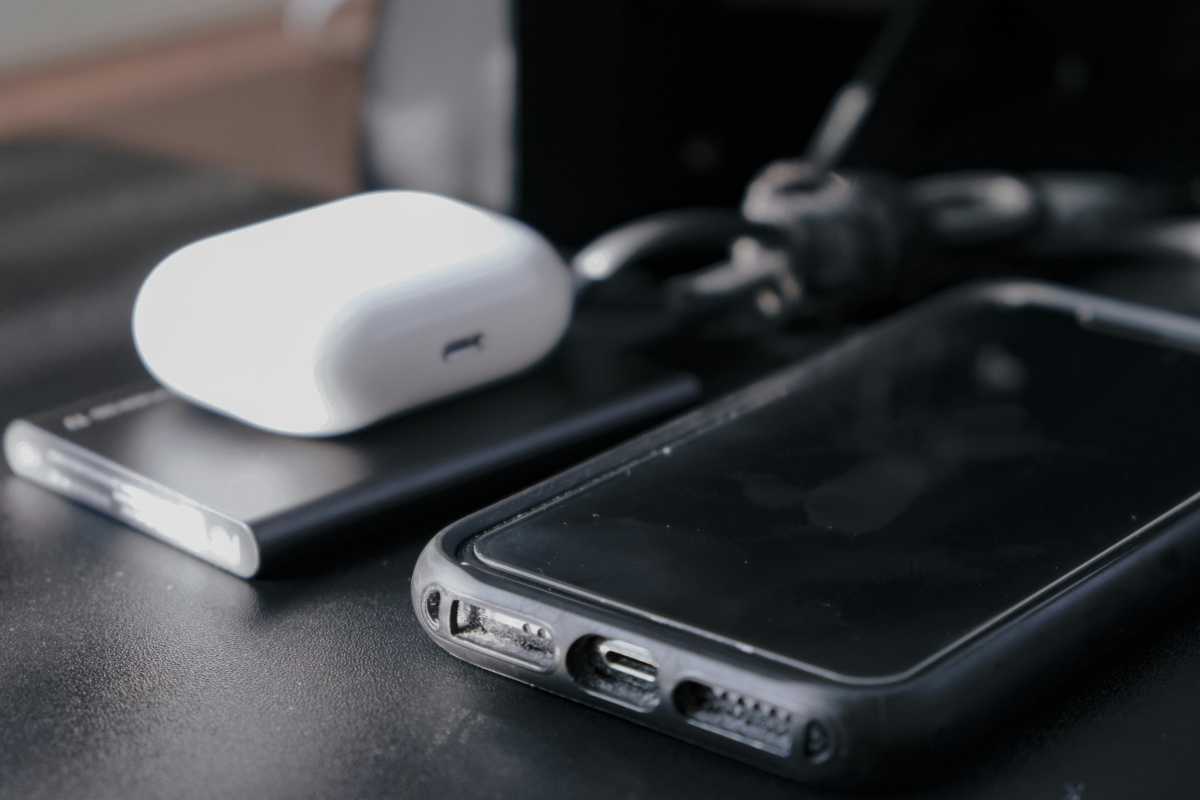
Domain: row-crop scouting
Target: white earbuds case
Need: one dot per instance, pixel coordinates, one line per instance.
(326, 320)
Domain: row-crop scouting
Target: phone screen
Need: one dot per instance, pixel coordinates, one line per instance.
(904, 494)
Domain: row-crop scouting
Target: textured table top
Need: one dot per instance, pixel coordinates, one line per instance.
(128, 668)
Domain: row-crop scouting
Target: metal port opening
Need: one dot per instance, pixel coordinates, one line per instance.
(456, 348)
(521, 640)
(617, 671)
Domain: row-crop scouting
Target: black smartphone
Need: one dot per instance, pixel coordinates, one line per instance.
(863, 560)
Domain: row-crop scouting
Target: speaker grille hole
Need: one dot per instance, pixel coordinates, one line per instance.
(738, 716)
(519, 639)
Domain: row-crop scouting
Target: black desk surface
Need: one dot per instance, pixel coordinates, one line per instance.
(130, 669)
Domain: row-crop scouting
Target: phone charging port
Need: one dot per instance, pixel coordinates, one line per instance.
(618, 671)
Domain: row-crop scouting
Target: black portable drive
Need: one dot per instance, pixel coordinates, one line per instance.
(235, 496)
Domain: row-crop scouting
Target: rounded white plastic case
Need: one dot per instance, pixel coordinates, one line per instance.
(326, 320)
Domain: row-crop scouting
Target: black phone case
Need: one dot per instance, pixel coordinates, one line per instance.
(827, 731)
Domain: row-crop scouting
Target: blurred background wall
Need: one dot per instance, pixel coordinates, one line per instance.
(263, 86)
(51, 29)
(579, 116)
